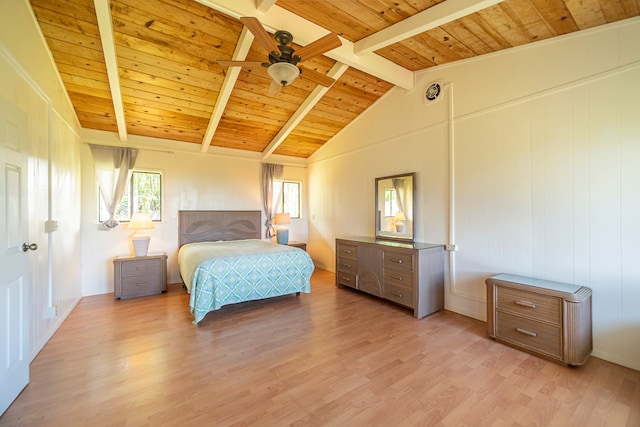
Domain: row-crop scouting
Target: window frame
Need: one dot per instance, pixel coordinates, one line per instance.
(281, 203)
(130, 189)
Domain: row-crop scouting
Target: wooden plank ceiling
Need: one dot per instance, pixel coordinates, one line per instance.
(149, 67)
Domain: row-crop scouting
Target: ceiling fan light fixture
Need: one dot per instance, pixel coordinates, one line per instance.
(283, 73)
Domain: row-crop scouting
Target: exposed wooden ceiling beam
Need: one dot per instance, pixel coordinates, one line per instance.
(264, 5)
(105, 26)
(440, 14)
(305, 32)
(314, 97)
(240, 54)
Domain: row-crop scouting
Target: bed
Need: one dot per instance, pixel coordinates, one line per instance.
(223, 261)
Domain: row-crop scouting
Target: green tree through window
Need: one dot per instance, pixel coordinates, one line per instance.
(290, 200)
(390, 203)
(144, 194)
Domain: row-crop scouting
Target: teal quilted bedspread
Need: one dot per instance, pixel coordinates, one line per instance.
(221, 273)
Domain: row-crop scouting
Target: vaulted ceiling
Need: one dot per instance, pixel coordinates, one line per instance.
(149, 67)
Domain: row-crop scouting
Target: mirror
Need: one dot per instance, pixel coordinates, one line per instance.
(395, 207)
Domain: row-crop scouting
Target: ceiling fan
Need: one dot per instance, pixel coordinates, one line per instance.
(283, 59)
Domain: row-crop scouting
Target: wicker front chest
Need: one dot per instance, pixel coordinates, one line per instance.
(551, 319)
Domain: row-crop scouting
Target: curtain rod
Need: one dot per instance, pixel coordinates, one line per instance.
(138, 148)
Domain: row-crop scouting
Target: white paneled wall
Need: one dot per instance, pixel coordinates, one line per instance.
(30, 85)
(65, 208)
(543, 154)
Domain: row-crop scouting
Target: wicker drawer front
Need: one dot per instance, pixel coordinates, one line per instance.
(542, 307)
(141, 267)
(398, 260)
(347, 265)
(133, 286)
(400, 294)
(347, 279)
(347, 251)
(529, 333)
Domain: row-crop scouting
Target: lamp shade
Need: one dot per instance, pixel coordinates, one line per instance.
(282, 218)
(140, 221)
(140, 240)
(283, 73)
(400, 216)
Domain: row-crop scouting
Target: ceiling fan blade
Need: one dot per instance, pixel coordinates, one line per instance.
(240, 63)
(316, 77)
(265, 39)
(318, 47)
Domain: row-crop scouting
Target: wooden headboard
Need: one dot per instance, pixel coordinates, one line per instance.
(211, 226)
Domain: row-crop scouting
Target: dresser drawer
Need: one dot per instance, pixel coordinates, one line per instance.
(347, 251)
(347, 279)
(542, 307)
(347, 265)
(400, 294)
(398, 260)
(398, 277)
(529, 333)
(135, 286)
(141, 267)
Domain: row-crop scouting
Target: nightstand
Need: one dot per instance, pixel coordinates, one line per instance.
(301, 245)
(140, 276)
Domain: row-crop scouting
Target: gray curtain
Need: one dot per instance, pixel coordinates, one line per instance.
(270, 174)
(398, 185)
(113, 169)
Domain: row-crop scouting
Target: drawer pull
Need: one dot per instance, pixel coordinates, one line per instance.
(527, 332)
(142, 267)
(142, 284)
(398, 294)
(347, 279)
(346, 265)
(346, 251)
(396, 260)
(526, 304)
(399, 278)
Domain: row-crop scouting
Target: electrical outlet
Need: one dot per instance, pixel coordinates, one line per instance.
(450, 248)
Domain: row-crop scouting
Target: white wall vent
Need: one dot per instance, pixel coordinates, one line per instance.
(433, 92)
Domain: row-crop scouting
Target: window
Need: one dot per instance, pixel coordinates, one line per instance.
(390, 202)
(144, 194)
(290, 200)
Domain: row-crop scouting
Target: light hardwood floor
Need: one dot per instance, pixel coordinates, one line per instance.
(334, 357)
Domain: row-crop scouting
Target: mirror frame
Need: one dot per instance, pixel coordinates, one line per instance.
(409, 235)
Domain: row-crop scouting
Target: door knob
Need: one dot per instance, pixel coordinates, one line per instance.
(26, 247)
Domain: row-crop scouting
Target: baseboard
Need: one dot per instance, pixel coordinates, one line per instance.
(61, 318)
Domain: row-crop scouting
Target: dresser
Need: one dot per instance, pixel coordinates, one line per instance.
(140, 276)
(550, 319)
(408, 274)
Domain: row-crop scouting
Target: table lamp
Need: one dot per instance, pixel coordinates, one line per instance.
(282, 233)
(140, 240)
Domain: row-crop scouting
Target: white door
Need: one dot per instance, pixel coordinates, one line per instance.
(14, 277)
